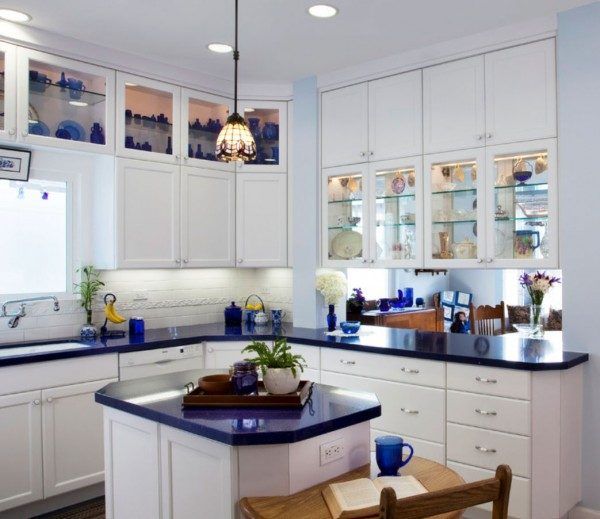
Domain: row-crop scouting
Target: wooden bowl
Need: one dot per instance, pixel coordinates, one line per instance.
(215, 384)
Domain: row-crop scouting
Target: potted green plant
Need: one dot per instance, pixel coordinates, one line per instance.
(280, 367)
(87, 288)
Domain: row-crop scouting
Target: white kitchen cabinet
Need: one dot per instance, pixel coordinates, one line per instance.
(395, 117)
(72, 437)
(207, 217)
(345, 126)
(454, 105)
(148, 205)
(8, 86)
(261, 220)
(20, 449)
(520, 93)
(222, 355)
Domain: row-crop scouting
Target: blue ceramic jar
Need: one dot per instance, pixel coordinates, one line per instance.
(233, 315)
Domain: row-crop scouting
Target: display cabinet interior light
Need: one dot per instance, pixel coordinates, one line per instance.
(78, 103)
(220, 48)
(12, 15)
(542, 154)
(322, 11)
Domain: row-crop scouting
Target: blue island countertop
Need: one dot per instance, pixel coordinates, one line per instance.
(159, 399)
(505, 351)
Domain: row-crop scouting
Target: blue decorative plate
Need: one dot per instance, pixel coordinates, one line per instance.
(39, 128)
(74, 128)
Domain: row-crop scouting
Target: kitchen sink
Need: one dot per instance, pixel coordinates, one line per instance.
(28, 349)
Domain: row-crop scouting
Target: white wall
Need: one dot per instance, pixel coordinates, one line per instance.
(485, 285)
(578, 61)
(424, 285)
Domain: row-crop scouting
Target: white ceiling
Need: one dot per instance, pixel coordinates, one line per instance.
(279, 41)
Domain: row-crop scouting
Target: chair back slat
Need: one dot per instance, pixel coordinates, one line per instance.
(483, 319)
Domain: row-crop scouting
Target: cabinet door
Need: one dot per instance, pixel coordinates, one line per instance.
(20, 449)
(521, 208)
(202, 117)
(222, 355)
(396, 187)
(455, 209)
(207, 218)
(453, 105)
(395, 116)
(345, 220)
(8, 87)
(72, 436)
(147, 214)
(261, 216)
(65, 103)
(148, 119)
(344, 126)
(267, 121)
(520, 93)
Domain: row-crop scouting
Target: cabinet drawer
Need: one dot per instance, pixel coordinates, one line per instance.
(489, 381)
(414, 411)
(387, 367)
(519, 504)
(310, 353)
(489, 412)
(488, 449)
(423, 449)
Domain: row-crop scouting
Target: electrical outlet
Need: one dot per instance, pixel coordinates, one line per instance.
(331, 451)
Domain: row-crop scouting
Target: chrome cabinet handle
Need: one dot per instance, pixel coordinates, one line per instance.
(409, 370)
(486, 380)
(36, 402)
(489, 260)
(186, 158)
(348, 362)
(185, 261)
(371, 153)
(479, 136)
(210, 349)
(24, 133)
(177, 157)
(372, 261)
(178, 261)
(409, 411)
(485, 449)
(240, 260)
(364, 260)
(49, 399)
(486, 413)
(488, 135)
(12, 131)
(362, 153)
(479, 260)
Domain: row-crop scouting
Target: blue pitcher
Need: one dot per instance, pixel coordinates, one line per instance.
(97, 134)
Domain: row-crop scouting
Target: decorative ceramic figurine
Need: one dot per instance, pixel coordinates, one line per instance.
(97, 134)
(445, 245)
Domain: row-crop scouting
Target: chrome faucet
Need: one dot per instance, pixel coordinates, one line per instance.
(13, 322)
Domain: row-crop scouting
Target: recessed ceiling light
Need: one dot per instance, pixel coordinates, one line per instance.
(14, 16)
(78, 103)
(248, 109)
(322, 11)
(221, 48)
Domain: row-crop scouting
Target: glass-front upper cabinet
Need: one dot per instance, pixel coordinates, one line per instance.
(454, 209)
(148, 119)
(65, 103)
(267, 121)
(203, 116)
(345, 216)
(396, 210)
(8, 92)
(521, 205)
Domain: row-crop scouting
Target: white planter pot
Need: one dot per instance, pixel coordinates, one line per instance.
(281, 381)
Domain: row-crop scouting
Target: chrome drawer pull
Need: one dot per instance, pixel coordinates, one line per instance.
(409, 411)
(486, 380)
(348, 362)
(409, 370)
(485, 449)
(486, 413)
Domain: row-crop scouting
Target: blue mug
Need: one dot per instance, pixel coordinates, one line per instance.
(277, 316)
(384, 304)
(388, 453)
(76, 87)
(38, 82)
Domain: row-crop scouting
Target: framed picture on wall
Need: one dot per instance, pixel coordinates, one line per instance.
(14, 164)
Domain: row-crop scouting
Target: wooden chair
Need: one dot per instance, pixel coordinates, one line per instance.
(496, 489)
(482, 319)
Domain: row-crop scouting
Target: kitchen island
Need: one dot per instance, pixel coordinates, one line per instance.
(165, 461)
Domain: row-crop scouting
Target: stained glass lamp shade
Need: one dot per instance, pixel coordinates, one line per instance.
(235, 142)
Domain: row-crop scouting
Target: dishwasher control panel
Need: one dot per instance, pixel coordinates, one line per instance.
(137, 358)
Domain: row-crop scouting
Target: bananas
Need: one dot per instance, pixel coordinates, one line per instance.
(112, 315)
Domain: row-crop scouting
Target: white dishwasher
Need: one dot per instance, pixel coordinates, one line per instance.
(159, 361)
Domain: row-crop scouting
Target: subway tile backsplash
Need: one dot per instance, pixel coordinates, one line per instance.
(163, 297)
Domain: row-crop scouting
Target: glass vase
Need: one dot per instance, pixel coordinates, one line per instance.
(331, 319)
(535, 321)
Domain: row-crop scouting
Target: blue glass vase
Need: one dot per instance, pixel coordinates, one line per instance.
(331, 318)
(408, 297)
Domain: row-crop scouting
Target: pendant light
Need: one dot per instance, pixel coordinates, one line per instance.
(235, 142)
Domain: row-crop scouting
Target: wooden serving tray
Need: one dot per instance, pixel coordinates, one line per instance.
(198, 398)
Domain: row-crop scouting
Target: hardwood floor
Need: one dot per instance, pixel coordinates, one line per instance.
(92, 509)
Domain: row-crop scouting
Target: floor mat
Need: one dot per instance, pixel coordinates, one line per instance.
(92, 509)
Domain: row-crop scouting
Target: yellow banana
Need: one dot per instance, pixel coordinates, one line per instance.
(112, 315)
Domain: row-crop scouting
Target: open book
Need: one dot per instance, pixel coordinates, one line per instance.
(360, 497)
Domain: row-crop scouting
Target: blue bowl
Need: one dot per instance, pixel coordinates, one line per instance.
(350, 326)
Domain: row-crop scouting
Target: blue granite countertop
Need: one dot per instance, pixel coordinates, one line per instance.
(506, 351)
(159, 399)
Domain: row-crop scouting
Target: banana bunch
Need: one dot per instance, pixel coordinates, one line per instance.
(254, 306)
(112, 315)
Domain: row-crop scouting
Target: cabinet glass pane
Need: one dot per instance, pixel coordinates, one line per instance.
(2, 67)
(206, 121)
(521, 206)
(66, 103)
(454, 210)
(395, 214)
(148, 119)
(345, 217)
(264, 126)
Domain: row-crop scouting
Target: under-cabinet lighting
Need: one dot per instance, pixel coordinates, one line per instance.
(78, 103)
(454, 164)
(155, 397)
(248, 110)
(11, 15)
(387, 172)
(220, 48)
(322, 11)
(127, 83)
(522, 157)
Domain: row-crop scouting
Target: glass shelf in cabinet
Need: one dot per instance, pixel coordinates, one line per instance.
(197, 134)
(452, 222)
(64, 93)
(150, 126)
(402, 224)
(455, 191)
(521, 218)
(345, 201)
(337, 227)
(391, 197)
(522, 187)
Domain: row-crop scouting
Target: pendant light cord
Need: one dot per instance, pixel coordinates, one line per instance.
(236, 57)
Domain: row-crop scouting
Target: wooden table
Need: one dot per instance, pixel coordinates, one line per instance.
(422, 319)
(309, 504)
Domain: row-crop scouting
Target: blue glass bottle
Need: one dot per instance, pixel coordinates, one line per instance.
(408, 297)
(331, 319)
